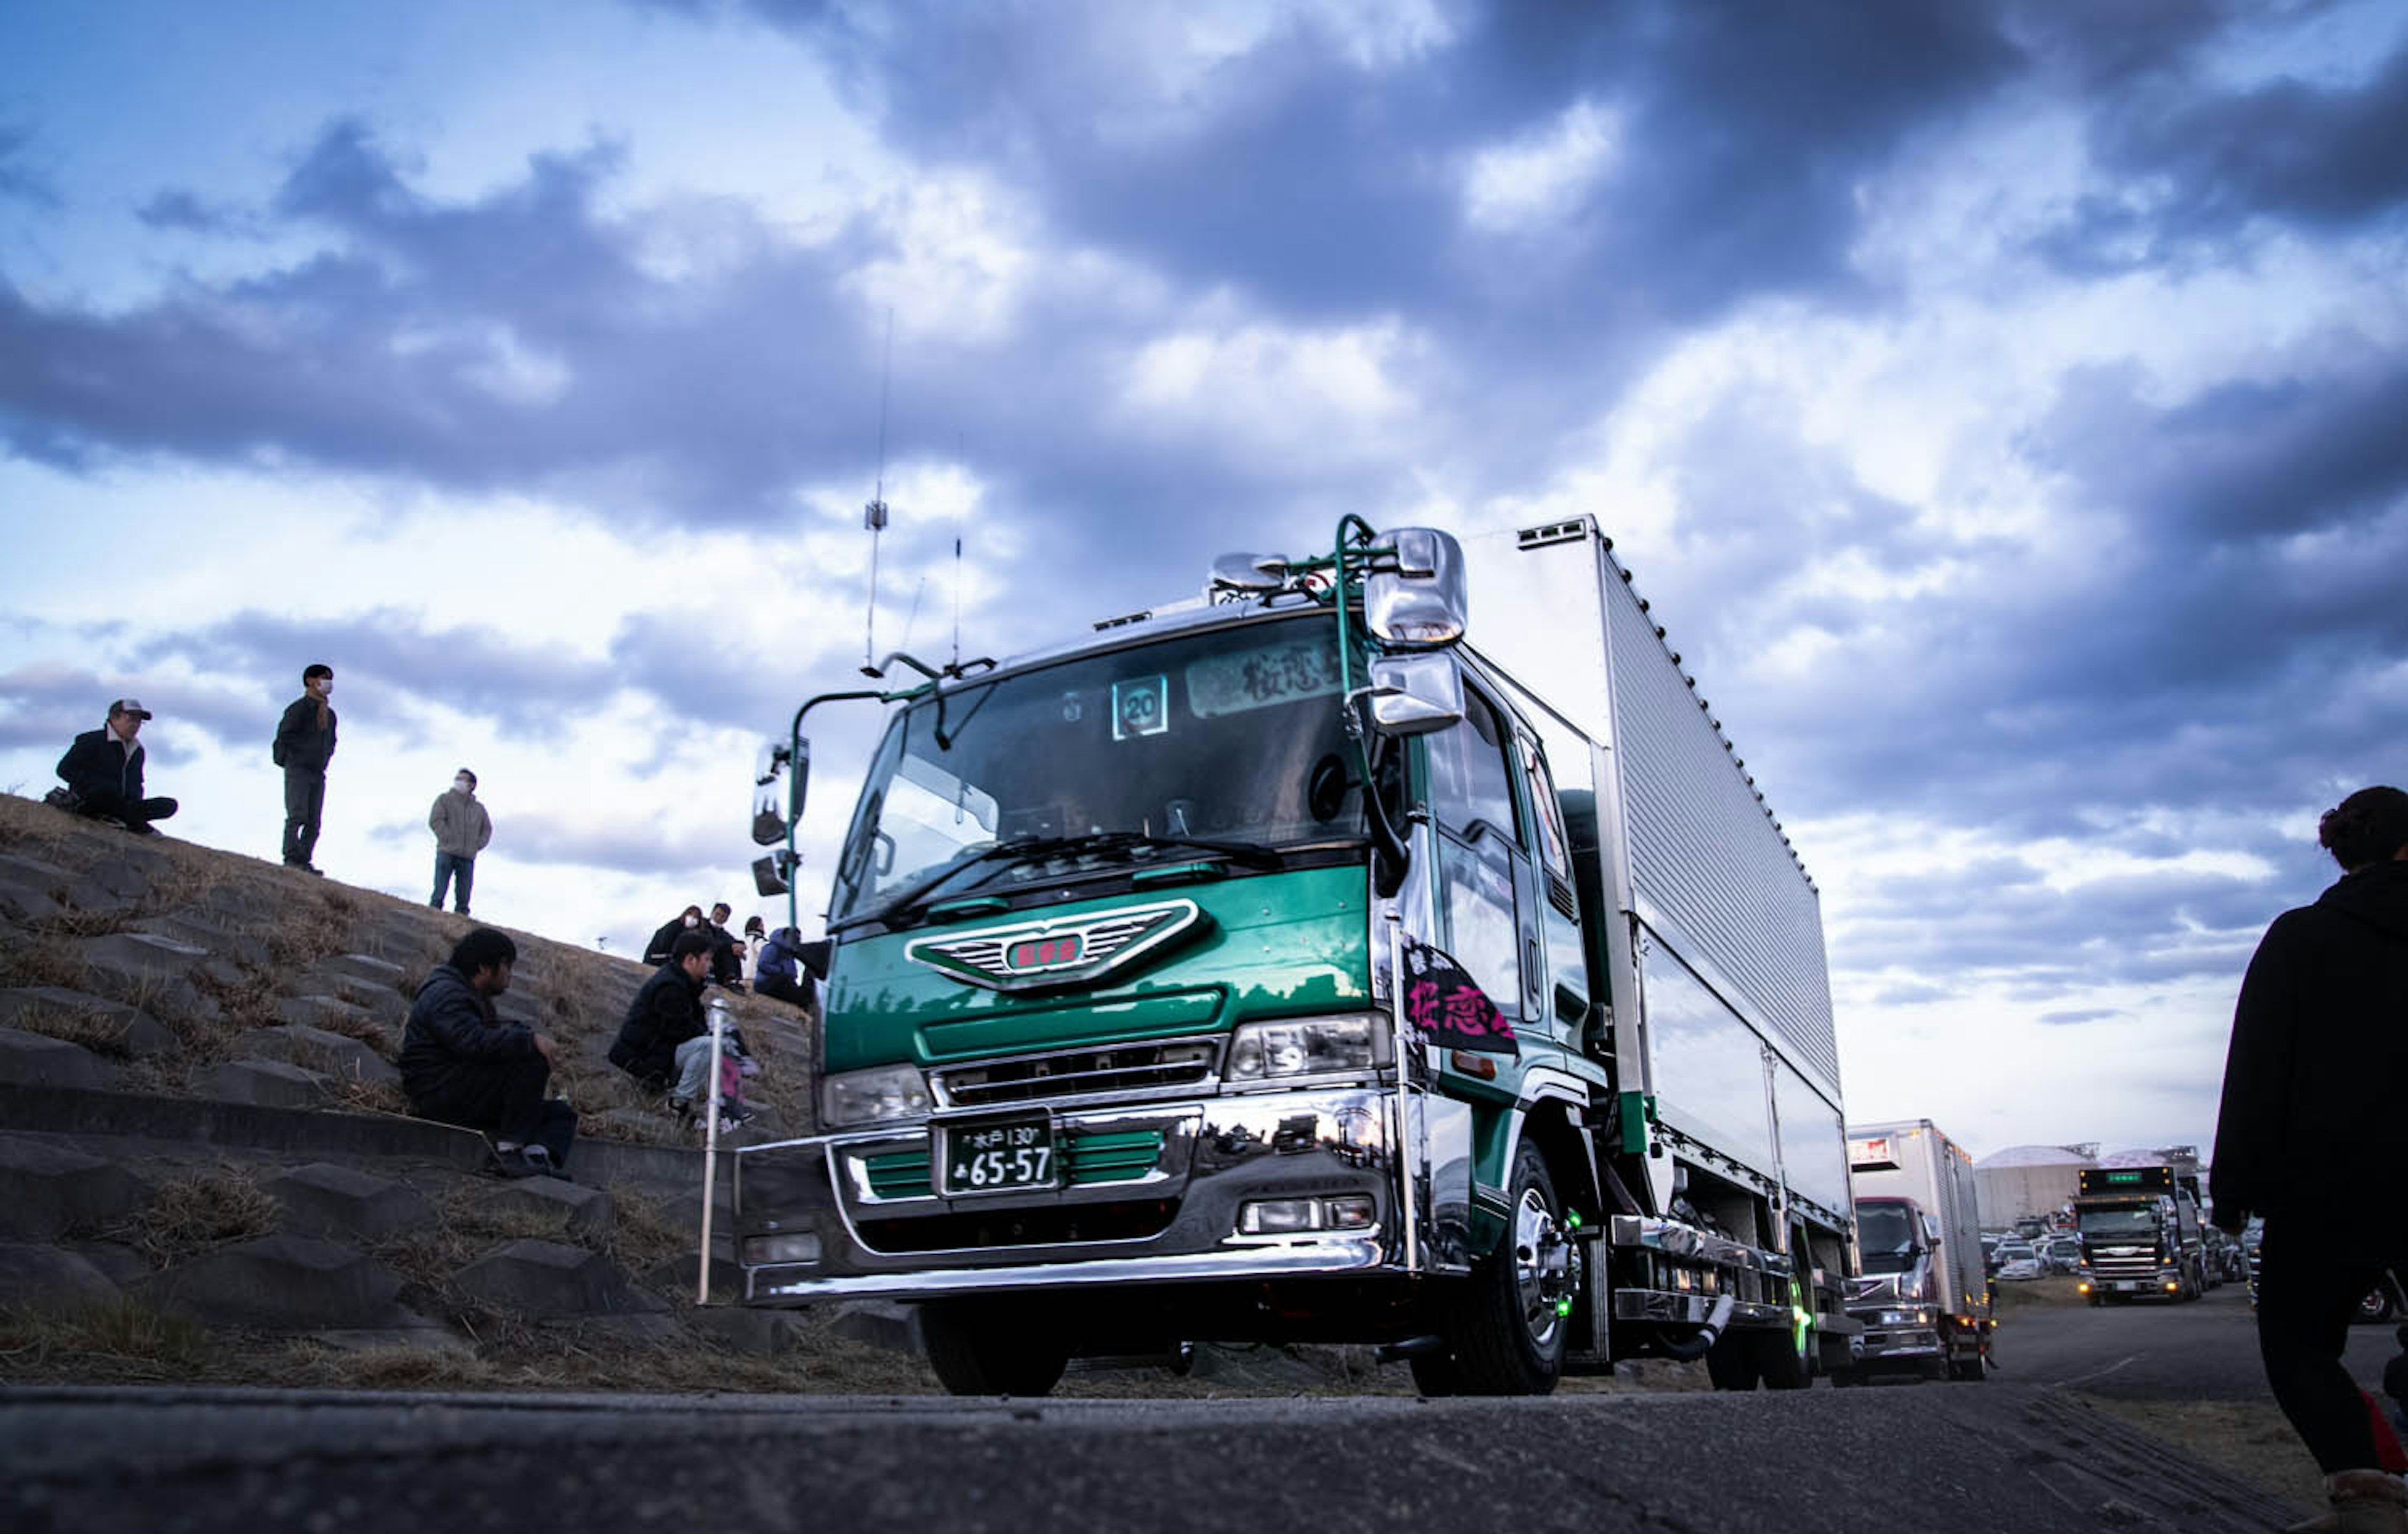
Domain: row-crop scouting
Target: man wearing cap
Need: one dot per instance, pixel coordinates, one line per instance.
(103, 770)
(304, 744)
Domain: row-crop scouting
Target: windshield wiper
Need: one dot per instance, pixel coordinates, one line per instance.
(1254, 854)
(1020, 848)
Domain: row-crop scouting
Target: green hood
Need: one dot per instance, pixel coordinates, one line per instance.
(1269, 946)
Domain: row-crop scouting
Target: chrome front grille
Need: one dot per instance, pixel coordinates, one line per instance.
(2143, 1264)
(1116, 1069)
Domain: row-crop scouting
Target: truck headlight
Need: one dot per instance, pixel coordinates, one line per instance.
(1307, 1046)
(873, 1096)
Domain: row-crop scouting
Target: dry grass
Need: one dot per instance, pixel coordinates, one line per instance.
(103, 1036)
(116, 1341)
(196, 1213)
(2247, 1439)
(2058, 1291)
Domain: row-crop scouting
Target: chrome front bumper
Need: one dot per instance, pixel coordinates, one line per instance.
(1152, 1194)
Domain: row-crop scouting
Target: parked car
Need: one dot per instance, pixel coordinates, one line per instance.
(2063, 1255)
(2018, 1258)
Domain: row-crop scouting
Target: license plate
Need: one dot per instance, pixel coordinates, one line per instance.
(2125, 1284)
(1001, 1156)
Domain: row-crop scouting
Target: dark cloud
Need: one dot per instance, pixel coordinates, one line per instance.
(181, 210)
(20, 178)
(2191, 164)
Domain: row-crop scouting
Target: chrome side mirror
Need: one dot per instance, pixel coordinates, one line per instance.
(769, 873)
(1931, 1230)
(770, 816)
(1417, 602)
(1414, 694)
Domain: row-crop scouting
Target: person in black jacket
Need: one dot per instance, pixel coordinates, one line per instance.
(727, 959)
(665, 1044)
(657, 950)
(304, 744)
(460, 1064)
(103, 771)
(2309, 1136)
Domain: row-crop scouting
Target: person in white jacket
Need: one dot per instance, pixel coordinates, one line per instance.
(462, 827)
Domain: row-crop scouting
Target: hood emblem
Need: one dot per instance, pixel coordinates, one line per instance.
(1055, 950)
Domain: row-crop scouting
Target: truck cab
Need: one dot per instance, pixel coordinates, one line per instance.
(2142, 1235)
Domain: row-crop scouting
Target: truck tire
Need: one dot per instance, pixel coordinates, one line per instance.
(1731, 1362)
(1780, 1360)
(992, 1347)
(1507, 1334)
(2376, 1306)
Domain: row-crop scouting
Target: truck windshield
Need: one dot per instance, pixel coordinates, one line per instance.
(1218, 742)
(1885, 1236)
(2134, 1220)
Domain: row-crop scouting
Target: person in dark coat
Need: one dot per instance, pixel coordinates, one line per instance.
(103, 771)
(2308, 1135)
(664, 1039)
(304, 744)
(727, 954)
(460, 1064)
(657, 950)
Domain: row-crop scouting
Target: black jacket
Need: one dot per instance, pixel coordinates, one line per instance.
(665, 1013)
(300, 744)
(657, 950)
(452, 1036)
(2316, 1086)
(94, 764)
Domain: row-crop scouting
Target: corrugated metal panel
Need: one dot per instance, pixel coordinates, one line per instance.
(1703, 851)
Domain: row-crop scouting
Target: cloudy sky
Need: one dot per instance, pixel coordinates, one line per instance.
(2001, 402)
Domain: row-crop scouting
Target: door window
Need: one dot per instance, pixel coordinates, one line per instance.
(1470, 782)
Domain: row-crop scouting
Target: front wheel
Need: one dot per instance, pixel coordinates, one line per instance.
(995, 1347)
(1511, 1321)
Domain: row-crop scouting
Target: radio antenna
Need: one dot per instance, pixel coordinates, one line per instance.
(873, 516)
(958, 517)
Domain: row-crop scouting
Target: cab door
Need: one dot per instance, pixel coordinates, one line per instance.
(1554, 959)
(1483, 873)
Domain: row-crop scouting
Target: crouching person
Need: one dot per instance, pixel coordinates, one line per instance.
(460, 1064)
(665, 1044)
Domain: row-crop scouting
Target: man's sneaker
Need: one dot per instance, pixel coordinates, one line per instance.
(515, 1162)
(539, 1162)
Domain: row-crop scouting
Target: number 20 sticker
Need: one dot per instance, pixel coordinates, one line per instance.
(1140, 708)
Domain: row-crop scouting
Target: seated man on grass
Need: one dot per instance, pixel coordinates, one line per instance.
(460, 1064)
(665, 1043)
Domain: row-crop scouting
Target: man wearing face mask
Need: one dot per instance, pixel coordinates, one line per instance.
(462, 827)
(304, 744)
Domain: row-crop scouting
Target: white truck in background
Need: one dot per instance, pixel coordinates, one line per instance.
(1921, 1294)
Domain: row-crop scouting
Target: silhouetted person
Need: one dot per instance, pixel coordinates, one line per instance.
(460, 1064)
(2309, 1137)
(781, 971)
(103, 771)
(304, 744)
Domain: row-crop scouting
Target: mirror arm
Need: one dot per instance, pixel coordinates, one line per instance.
(1389, 858)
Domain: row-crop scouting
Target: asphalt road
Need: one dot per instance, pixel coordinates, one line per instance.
(2203, 1351)
(1986, 1457)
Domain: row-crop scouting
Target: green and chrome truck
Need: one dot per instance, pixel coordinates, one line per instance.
(1386, 946)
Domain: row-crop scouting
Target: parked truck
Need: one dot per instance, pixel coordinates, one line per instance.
(1386, 946)
(1921, 1294)
(2141, 1234)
